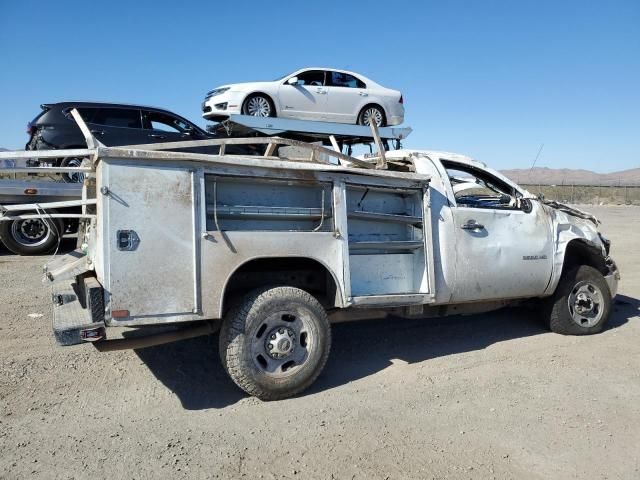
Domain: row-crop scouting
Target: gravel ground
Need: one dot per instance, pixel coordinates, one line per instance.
(485, 396)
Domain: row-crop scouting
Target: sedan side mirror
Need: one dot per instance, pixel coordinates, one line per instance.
(293, 81)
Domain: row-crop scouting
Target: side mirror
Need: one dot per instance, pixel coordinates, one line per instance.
(293, 81)
(525, 205)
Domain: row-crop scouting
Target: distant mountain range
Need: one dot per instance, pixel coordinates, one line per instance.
(567, 176)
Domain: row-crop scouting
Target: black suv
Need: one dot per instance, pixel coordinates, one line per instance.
(112, 124)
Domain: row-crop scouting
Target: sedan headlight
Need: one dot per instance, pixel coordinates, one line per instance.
(217, 91)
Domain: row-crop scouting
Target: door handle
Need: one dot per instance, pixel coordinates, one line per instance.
(364, 94)
(155, 135)
(472, 225)
(321, 91)
(97, 132)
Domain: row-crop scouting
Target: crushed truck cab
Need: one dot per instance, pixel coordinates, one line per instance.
(272, 248)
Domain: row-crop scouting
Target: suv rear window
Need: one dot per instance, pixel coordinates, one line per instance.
(118, 117)
(87, 114)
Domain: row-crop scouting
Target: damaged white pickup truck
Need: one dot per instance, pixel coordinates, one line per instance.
(273, 248)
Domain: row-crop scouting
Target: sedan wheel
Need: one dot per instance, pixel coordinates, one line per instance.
(258, 106)
(372, 113)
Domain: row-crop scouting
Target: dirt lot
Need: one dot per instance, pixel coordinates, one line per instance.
(464, 397)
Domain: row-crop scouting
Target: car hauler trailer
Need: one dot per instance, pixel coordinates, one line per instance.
(269, 250)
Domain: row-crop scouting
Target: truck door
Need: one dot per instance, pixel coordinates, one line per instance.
(502, 251)
(151, 221)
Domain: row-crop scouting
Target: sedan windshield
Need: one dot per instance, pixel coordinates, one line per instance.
(281, 78)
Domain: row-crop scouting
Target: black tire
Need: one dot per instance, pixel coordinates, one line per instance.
(367, 111)
(569, 313)
(72, 177)
(275, 319)
(263, 103)
(33, 236)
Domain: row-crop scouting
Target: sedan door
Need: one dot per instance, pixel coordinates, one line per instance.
(346, 96)
(502, 250)
(306, 99)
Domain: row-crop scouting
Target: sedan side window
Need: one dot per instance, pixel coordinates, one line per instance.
(118, 117)
(340, 79)
(311, 77)
(476, 188)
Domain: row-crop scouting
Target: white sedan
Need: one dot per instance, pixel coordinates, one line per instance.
(323, 94)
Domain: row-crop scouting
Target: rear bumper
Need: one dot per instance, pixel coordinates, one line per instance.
(613, 276)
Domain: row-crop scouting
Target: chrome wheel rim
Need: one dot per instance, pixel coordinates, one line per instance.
(30, 232)
(76, 177)
(282, 343)
(258, 107)
(372, 114)
(586, 304)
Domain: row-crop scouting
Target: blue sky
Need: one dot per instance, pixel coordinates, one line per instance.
(491, 79)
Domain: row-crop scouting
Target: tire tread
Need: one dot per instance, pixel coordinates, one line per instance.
(233, 330)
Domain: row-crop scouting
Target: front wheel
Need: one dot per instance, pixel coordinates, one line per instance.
(581, 303)
(275, 342)
(31, 236)
(258, 106)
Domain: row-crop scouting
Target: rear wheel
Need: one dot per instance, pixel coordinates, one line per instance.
(275, 342)
(75, 177)
(581, 303)
(258, 105)
(32, 236)
(373, 113)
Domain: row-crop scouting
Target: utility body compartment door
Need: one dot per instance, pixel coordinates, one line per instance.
(151, 250)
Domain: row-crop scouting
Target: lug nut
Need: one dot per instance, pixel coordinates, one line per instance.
(273, 336)
(281, 331)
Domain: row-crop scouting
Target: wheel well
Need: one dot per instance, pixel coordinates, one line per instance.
(252, 94)
(580, 252)
(304, 273)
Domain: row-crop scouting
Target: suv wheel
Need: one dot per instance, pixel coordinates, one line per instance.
(75, 177)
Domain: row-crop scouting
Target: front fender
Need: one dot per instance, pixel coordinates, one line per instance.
(567, 229)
